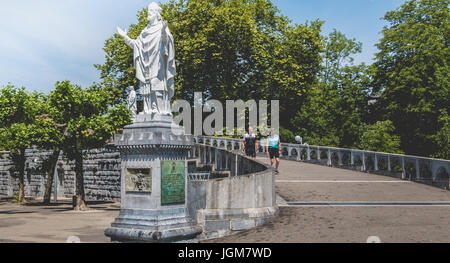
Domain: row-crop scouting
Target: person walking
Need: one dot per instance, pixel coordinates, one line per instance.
(249, 144)
(273, 149)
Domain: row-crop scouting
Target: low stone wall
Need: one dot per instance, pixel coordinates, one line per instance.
(101, 175)
(243, 200)
(5, 165)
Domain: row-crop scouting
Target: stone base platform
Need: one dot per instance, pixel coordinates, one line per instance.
(153, 226)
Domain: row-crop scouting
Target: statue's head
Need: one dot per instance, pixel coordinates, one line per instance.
(154, 12)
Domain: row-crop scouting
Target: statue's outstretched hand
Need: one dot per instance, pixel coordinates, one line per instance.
(121, 32)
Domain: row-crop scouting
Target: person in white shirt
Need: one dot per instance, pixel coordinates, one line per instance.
(249, 144)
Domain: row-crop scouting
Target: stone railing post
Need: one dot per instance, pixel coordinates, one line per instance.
(210, 155)
(403, 168)
(227, 157)
(329, 158)
(236, 168)
(340, 157)
(352, 158)
(389, 162)
(375, 160)
(417, 169)
(308, 153)
(204, 155)
(363, 161)
(216, 158)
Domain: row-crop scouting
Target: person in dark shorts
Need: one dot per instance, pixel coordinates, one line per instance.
(273, 149)
(249, 143)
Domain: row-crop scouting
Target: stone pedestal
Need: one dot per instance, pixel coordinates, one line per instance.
(154, 156)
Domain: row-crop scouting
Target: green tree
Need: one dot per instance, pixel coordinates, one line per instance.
(338, 54)
(17, 127)
(89, 119)
(287, 136)
(49, 135)
(335, 109)
(229, 49)
(380, 137)
(412, 72)
(442, 137)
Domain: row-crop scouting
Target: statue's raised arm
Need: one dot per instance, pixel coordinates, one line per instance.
(129, 41)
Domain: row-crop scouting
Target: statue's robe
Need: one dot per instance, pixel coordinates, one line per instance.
(154, 59)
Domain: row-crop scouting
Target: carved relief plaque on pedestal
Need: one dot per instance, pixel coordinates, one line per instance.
(138, 180)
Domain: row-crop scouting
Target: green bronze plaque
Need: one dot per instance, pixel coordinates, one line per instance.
(138, 180)
(172, 182)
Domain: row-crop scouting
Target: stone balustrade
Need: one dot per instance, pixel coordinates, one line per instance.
(421, 169)
(237, 194)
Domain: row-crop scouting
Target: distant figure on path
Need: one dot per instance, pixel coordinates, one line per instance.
(249, 144)
(273, 149)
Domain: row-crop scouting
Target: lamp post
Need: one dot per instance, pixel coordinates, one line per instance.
(298, 139)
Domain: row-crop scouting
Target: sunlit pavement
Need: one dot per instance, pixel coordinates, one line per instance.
(55, 223)
(325, 204)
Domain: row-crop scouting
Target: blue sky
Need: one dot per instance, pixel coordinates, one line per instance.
(49, 40)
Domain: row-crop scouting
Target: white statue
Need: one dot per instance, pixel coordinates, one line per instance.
(131, 102)
(154, 60)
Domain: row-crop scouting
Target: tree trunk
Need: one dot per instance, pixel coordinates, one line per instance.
(21, 165)
(79, 203)
(21, 187)
(50, 176)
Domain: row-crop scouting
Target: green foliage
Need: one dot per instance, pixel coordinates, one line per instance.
(380, 137)
(287, 135)
(334, 110)
(89, 120)
(16, 198)
(442, 137)
(412, 72)
(17, 118)
(338, 53)
(71, 119)
(17, 127)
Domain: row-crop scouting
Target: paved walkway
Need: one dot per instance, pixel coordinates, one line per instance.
(337, 205)
(323, 204)
(54, 224)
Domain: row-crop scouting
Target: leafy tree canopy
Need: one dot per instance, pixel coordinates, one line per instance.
(411, 71)
(18, 131)
(335, 109)
(380, 137)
